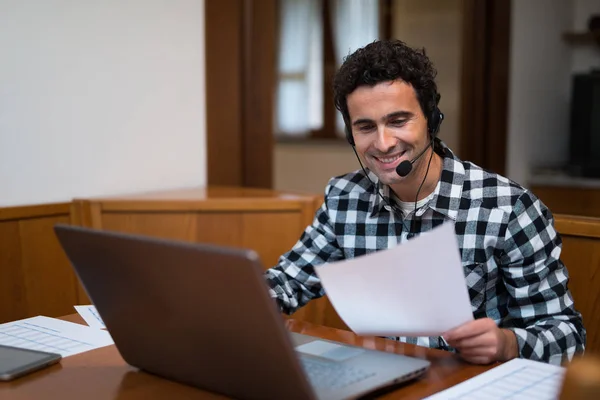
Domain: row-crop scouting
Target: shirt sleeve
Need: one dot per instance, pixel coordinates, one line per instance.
(540, 307)
(293, 281)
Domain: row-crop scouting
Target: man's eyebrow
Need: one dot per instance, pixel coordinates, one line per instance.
(399, 114)
(362, 121)
(394, 115)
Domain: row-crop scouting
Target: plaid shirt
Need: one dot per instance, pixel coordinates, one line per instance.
(509, 247)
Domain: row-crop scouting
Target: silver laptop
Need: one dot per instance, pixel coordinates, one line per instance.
(201, 315)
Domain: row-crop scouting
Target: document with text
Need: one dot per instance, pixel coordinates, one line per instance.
(414, 289)
(515, 379)
(53, 335)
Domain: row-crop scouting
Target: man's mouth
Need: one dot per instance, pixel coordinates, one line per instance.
(389, 161)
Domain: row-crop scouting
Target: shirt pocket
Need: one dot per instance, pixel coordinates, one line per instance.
(476, 279)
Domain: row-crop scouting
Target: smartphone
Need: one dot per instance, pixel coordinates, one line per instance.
(16, 362)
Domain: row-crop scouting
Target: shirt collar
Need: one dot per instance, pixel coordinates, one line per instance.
(447, 194)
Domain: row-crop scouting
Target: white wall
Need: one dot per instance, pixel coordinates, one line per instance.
(100, 97)
(540, 75)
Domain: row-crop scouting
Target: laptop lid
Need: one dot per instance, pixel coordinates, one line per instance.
(193, 313)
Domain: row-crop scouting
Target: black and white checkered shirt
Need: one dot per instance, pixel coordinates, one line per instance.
(509, 247)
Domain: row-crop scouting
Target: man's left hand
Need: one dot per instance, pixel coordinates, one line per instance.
(482, 342)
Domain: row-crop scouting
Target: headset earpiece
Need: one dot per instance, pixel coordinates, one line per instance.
(434, 121)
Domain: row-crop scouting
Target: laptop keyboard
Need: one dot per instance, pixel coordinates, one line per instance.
(332, 375)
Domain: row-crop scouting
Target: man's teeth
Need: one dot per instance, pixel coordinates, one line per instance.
(388, 160)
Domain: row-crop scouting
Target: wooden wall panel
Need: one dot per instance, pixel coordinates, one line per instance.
(177, 226)
(48, 276)
(13, 304)
(35, 275)
(570, 200)
(271, 234)
(581, 255)
(223, 228)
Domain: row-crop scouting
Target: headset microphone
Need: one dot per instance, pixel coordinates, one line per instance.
(406, 166)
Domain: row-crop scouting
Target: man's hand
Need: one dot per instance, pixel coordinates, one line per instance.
(482, 342)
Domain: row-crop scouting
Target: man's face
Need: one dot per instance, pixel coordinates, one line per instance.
(388, 126)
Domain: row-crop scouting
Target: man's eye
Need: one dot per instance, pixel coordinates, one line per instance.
(365, 128)
(398, 122)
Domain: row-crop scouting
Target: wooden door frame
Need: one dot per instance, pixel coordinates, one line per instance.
(485, 83)
(240, 84)
(240, 80)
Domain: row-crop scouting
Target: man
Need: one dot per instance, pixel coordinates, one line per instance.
(412, 183)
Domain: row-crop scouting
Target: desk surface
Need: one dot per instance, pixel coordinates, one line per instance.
(102, 373)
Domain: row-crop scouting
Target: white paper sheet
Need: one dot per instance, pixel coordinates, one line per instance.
(53, 335)
(90, 316)
(414, 289)
(516, 379)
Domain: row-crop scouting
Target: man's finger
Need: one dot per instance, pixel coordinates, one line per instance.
(474, 341)
(469, 329)
(484, 351)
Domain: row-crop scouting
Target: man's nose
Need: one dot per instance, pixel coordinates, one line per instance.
(385, 140)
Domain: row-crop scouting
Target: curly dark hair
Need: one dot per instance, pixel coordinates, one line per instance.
(386, 60)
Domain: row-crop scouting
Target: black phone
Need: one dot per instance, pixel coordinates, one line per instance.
(16, 362)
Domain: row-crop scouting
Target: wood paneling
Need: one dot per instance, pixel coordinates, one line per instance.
(35, 275)
(570, 200)
(581, 255)
(268, 233)
(48, 276)
(271, 234)
(13, 304)
(177, 226)
(220, 228)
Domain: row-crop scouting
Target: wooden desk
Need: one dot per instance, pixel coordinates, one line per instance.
(102, 373)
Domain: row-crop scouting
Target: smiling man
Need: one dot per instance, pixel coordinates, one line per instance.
(410, 183)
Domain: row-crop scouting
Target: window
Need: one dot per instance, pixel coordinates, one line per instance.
(314, 38)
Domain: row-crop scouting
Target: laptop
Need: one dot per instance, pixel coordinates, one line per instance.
(201, 315)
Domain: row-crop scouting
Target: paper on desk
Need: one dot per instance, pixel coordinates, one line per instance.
(414, 289)
(90, 316)
(53, 335)
(516, 379)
